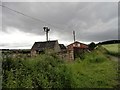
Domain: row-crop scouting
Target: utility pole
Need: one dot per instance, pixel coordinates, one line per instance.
(74, 35)
(46, 29)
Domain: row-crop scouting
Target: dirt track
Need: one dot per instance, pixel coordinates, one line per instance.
(114, 58)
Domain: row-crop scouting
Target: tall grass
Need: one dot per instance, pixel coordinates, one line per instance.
(43, 71)
(94, 70)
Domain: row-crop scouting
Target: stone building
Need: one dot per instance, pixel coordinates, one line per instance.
(76, 48)
(49, 46)
(67, 53)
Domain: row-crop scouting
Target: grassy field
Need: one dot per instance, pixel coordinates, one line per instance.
(101, 75)
(94, 70)
(112, 47)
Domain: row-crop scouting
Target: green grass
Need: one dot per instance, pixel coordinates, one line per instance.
(112, 47)
(101, 75)
(43, 71)
(95, 71)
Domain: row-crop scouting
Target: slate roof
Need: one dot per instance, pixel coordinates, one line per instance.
(62, 46)
(42, 45)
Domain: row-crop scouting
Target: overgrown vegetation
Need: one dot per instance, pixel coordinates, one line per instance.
(44, 71)
(93, 70)
(92, 45)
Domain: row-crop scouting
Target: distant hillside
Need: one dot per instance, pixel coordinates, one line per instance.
(109, 42)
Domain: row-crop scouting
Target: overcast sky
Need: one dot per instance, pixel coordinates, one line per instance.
(92, 21)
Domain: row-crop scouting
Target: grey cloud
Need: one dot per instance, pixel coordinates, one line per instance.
(104, 36)
(14, 45)
(64, 18)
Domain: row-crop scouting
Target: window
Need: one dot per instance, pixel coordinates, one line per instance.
(78, 45)
(73, 45)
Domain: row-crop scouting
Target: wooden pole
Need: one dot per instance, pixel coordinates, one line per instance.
(74, 35)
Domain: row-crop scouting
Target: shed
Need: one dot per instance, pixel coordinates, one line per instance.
(75, 49)
(39, 47)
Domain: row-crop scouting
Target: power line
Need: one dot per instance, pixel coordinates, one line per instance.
(29, 16)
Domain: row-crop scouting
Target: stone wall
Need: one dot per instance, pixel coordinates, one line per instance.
(68, 56)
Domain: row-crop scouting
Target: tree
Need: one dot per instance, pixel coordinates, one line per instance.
(92, 45)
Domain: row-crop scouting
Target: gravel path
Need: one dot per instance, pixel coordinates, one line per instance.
(114, 58)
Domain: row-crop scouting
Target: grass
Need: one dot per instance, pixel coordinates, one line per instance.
(101, 75)
(113, 49)
(95, 71)
(43, 71)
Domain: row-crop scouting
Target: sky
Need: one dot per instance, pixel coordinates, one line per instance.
(91, 21)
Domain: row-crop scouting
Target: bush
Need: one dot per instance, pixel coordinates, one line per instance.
(92, 45)
(44, 71)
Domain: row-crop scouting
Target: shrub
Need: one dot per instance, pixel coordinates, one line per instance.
(92, 45)
(43, 71)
